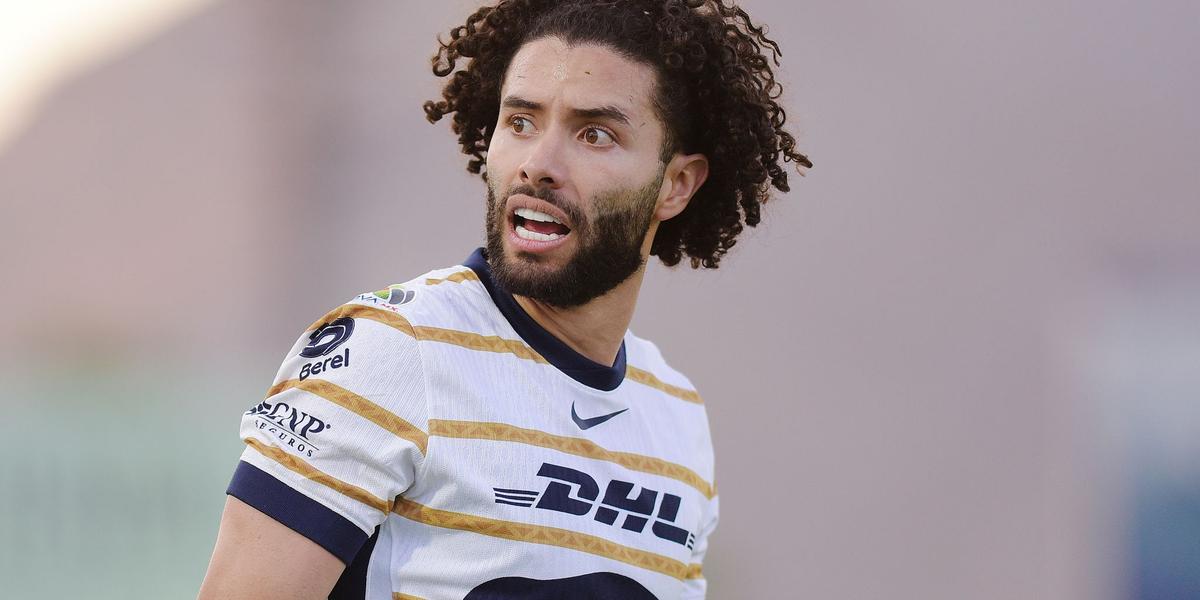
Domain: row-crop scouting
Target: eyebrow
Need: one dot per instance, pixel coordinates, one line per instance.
(600, 112)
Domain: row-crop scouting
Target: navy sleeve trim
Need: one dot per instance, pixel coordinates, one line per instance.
(302, 514)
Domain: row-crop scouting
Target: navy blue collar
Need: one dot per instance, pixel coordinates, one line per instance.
(563, 357)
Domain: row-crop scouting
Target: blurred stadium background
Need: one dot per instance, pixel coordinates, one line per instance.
(960, 360)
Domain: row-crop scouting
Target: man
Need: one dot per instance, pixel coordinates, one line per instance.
(493, 430)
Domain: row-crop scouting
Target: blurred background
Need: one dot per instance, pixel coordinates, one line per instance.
(961, 359)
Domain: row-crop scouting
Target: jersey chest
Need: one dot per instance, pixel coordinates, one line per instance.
(562, 481)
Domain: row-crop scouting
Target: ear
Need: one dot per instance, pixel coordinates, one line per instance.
(682, 178)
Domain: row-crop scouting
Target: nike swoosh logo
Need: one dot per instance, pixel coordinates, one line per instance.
(594, 421)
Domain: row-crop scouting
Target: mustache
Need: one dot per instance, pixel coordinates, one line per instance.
(548, 196)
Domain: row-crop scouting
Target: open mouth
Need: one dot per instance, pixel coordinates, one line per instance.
(538, 226)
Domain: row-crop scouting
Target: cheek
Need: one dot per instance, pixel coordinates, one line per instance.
(503, 156)
(496, 159)
(629, 172)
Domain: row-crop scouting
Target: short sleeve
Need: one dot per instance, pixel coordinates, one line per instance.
(342, 431)
(696, 587)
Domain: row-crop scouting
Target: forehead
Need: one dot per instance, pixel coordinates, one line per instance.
(582, 75)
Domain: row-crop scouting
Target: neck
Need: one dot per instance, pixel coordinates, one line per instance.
(595, 329)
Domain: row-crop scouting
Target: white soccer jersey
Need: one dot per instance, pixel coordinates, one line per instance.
(445, 446)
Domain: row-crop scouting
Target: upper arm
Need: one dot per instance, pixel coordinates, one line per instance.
(298, 568)
(340, 435)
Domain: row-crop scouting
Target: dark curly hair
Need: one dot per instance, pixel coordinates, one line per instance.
(716, 96)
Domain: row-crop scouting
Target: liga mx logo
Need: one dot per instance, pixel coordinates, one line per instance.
(328, 337)
(395, 295)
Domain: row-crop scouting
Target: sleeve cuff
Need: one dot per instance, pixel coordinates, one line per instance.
(300, 513)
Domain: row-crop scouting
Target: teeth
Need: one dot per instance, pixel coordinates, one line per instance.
(533, 235)
(533, 215)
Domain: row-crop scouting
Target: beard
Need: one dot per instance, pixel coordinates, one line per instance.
(608, 248)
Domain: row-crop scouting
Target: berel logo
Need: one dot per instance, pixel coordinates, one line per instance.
(576, 493)
(328, 337)
(290, 425)
(336, 361)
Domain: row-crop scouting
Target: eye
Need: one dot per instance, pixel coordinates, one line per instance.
(596, 136)
(520, 125)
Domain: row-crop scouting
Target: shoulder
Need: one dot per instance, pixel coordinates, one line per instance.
(395, 311)
(646, 363)
(439, 298)
(681, 403)
(373, 338)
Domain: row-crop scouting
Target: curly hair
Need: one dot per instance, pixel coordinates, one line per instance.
(716, 95)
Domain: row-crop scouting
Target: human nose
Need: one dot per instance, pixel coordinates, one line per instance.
(543, 166)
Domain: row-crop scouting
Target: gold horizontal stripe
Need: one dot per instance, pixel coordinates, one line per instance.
(465, 339)
(474, 341)
(358, 405)
(578, 446)
(458, 277)
(551, 536)
(313, 474)
(362, 311)
(487, 343)
(648, 378)
(399, 596)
